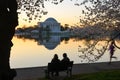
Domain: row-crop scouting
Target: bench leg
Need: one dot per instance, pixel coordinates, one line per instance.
(56, 73)
(69, 72)
(47, 74)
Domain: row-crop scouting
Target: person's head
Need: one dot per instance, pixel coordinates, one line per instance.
(64, 55)
(56, 56)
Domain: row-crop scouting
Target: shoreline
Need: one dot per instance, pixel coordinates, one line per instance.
(38, 72)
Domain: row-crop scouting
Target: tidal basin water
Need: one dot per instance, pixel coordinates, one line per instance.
(35, 53)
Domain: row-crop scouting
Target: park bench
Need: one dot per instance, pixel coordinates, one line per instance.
(59, 67)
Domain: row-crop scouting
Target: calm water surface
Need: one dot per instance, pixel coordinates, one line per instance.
(31, 53)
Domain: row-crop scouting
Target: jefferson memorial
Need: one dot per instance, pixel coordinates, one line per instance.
(51, 24)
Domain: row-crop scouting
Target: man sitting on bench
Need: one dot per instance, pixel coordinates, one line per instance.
(65, 58)
(65, 61)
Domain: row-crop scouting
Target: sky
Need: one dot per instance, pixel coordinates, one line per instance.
(65, 13)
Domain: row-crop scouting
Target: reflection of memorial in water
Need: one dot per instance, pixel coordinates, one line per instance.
(50, 42)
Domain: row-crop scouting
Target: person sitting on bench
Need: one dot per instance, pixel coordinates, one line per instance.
(56, 66)
(65, 58)
(65, 61)
(55, 61)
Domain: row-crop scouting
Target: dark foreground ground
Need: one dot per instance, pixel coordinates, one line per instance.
(38, 72)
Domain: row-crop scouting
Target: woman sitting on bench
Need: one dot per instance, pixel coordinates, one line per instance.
(55, 61)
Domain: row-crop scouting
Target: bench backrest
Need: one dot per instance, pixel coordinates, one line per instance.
(59, 66)
(66, 65)
(70, 64)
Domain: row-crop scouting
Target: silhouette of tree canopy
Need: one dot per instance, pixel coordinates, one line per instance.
(104, 13)
(34, 9)
(93, 50)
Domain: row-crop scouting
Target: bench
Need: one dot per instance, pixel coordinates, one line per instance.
(59, 67)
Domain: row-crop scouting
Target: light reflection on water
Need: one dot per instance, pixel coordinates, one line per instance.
(34, 53)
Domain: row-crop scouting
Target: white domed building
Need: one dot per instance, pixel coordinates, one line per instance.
(50, 24)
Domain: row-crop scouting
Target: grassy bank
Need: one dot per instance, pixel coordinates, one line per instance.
(103, 75)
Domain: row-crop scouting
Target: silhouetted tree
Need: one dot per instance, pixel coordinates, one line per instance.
(102, 13)
(8, 22)
(34, 9)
